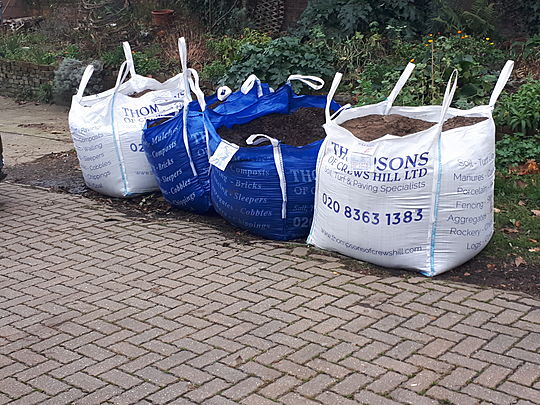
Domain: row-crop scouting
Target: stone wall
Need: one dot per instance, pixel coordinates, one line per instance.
(24, 79)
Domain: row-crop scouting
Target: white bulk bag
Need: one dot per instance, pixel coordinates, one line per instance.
(423, 201)
(107, 127)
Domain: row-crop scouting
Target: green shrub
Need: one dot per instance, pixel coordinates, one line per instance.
(476, 59)
(521, 110)
(226, 52)
(146, 63)
(516, 149)
(449, 17)
(275, 61)
(44, 93)
(68, 77)
(28, 47)
(342, 18)
(220, 16)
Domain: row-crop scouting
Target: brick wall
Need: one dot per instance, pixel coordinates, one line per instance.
(23, 78)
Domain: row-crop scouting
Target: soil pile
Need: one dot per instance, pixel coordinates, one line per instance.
(300, 128)
(374, 126)
(458, 122)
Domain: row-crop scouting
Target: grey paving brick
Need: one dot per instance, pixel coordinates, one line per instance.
(492, 376)
(170, 392)
(520, 391)
(410, 397)
(487, 394)
(207, 390)
(458, 378)
(367, 398)
(526, 374)
(442, 394)
(50, 386)
(280, 386)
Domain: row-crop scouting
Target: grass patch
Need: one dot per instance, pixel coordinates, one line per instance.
(517, 227)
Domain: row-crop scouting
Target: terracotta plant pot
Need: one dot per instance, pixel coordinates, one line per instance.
(162, 17)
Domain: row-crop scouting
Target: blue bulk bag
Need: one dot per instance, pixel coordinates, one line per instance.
(268, 190)
(176, 148)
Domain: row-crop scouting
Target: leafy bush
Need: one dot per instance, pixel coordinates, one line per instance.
(449, 17)
(68, 77)
(28, 47)
(226, 52)
(342, 18)
(516, 149)
(146, 63)
(521, 110)
(351, 54)
(276, 60)
(530, 10)
(476, 59)
(220, 16)
(44, 93)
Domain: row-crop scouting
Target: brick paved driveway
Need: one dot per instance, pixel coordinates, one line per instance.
(98, 308)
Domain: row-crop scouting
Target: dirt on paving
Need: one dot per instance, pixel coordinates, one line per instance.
(60, 172)
(371, 127)
(299, 128)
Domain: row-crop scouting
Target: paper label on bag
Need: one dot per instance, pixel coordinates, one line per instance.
(360, 161)
(362, 157)
(223, 154)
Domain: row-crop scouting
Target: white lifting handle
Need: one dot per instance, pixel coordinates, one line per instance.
(257, 139)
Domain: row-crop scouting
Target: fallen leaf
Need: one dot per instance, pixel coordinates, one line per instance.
(517, 224)
(533, 240)
(521, 184)
(522, 203)
(496, 210)
(529, 167)
(466, 274)
(491, 266)
(519, 261)
(509, 230)
(536, 249)
(536, 213)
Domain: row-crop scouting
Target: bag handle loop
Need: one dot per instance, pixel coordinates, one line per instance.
(330, 96)
(257, 139)
(448, 96)
(129, 57)
(223, 93)
(251, 81)
(501, 82)
(87, 75)
(122, 75)
(399, 85)
(182, 50)
(316, 83)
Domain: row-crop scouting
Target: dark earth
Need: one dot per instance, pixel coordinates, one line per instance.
(371, 127)
(299, 128)
(60, 172)
(304, 126)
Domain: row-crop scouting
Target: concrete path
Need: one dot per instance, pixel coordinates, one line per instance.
(32, 130)
(100, 308)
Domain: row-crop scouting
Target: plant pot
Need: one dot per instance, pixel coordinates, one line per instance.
(162, 17)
